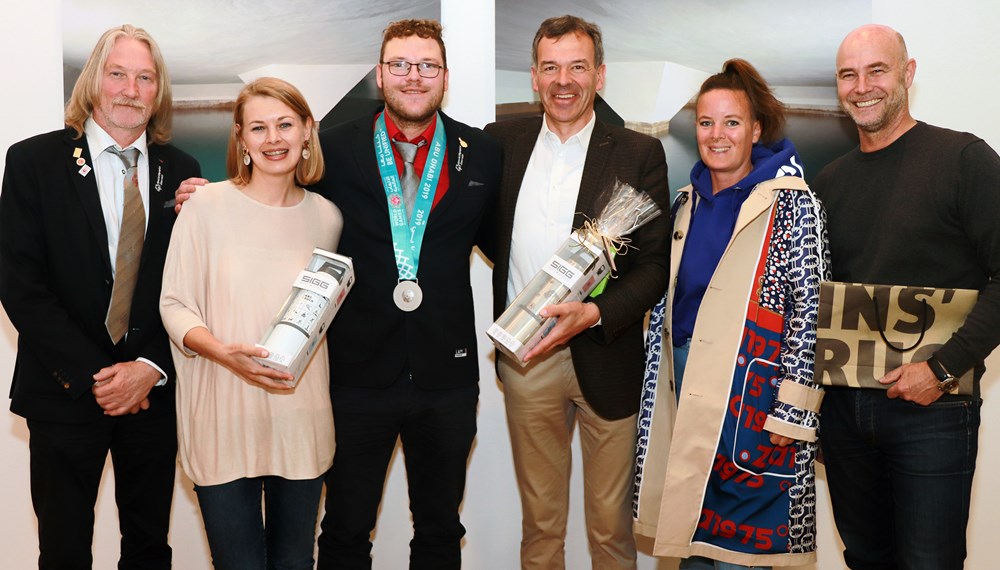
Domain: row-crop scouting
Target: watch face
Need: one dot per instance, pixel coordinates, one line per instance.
(949, 386)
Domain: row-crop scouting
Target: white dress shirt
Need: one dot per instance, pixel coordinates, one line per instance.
(546, 203)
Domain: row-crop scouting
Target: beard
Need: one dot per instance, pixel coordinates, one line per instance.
(125, 113)
(405, 112)
(892, 105)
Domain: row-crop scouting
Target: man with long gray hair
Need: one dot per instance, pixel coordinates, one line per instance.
(85, 219)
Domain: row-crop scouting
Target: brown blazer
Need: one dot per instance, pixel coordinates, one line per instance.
(609, 359)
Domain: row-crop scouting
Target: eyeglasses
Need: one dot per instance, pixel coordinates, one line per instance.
(553, 69)
(424, 68)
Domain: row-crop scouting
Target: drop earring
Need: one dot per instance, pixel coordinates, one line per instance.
(305, 151)
(246, 157)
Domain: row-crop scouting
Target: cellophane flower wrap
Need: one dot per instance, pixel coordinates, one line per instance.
(578, 268)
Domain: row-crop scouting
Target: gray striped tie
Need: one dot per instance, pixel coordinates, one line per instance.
(410, 180)
(130, 240)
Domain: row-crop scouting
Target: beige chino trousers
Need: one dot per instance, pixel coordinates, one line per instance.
(543, 402)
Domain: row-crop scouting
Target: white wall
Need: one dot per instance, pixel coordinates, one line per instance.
(952, 85)
(31, 35)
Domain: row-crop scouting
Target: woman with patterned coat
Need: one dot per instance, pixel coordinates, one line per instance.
(729, 392)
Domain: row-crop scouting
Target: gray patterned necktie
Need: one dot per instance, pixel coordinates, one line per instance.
(130, 240)
(410, 181)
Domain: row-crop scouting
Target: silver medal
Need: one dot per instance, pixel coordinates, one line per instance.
(407, 295)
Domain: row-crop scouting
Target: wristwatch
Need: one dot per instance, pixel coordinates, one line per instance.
(947, 382)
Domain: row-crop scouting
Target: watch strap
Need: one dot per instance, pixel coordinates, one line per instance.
(947, 382)
(939, 370)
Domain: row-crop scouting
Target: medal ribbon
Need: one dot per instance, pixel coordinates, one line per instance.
(407, 247)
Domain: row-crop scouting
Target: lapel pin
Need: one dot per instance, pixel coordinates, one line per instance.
(461, 157)
(81, 161)
(84, 170)
(77, 152)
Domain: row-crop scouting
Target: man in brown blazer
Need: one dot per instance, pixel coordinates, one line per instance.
(590, 366)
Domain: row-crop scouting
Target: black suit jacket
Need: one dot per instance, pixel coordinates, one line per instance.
(609, 359)
(56, 280)
(371, 340)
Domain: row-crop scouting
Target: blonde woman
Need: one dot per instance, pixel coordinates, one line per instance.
(243, 435)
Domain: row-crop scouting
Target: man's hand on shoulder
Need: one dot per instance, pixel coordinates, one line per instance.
(123, 388)
(185, 190)
(914, 382)
(572, 319)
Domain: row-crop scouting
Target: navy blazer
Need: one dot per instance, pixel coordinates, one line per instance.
(609, 360)
(56, 279)
(371, 341)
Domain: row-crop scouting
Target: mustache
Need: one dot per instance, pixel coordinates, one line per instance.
(129, 102)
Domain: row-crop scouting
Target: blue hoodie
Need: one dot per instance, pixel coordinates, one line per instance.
(712, 226)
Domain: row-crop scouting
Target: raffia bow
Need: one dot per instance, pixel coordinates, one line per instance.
(611, 245)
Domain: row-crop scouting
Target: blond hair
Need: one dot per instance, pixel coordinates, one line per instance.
(308, 171)
(87, 90)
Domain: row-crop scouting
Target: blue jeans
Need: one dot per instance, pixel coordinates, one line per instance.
(238, 535)
(900, 477)
(702, 563)
(680, 363)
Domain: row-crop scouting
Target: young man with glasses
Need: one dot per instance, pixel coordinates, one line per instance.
(403, 356)
(590, 366)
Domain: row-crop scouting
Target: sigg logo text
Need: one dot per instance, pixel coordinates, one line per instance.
(314, 281)
(569, 273)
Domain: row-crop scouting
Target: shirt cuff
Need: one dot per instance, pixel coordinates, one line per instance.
(163, 375)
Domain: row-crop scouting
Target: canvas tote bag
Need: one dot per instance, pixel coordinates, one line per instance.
(864, 331)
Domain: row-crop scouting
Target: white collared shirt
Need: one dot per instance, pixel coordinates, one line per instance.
(546, 203)
(109, 170)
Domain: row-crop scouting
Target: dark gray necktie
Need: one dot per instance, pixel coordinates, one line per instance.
(130, 240)
(410, 181)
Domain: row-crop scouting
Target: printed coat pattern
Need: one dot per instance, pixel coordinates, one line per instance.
(726, 492)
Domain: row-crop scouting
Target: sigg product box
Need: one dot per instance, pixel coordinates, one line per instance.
(577, 268)
(299, 327)
(571, 274)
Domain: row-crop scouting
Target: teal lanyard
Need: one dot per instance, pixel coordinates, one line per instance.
(407, 248)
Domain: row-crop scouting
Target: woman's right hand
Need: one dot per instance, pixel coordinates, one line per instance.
(781, 440)
(238, 358)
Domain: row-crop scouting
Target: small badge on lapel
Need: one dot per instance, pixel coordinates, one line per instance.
(80, 161)
(159, 178)
(461, 157)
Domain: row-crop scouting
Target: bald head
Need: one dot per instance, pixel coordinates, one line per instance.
(874, 36)
(873, 75)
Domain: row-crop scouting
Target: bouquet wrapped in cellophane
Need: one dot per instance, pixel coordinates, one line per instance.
(579, 267)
